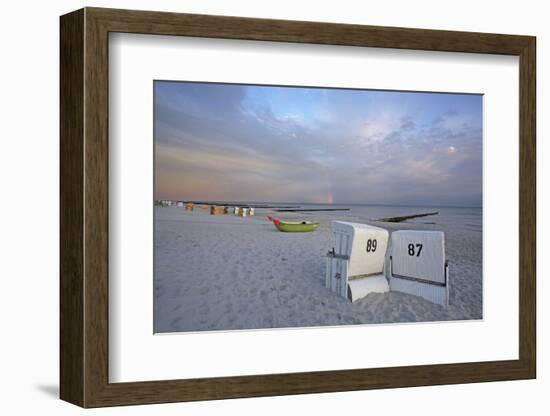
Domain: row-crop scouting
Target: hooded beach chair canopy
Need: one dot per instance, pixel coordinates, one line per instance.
(418, 265)
(355, 262)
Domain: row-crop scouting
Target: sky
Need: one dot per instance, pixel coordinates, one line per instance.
(232, 142)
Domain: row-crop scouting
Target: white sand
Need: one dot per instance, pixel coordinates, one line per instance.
(226, 272)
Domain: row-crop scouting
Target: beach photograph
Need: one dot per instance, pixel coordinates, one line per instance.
(297, 207)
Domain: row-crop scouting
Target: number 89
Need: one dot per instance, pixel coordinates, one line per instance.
(371, 245)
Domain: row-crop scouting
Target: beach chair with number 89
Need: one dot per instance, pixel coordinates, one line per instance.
(355, 261)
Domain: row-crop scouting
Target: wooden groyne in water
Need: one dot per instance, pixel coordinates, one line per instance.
(407, 217)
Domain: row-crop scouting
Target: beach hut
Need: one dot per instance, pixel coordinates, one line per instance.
(215, 210)
(356, 259)
(251, 211)
(418, 265)
(243, 212)
(189, 206)
(236, 210)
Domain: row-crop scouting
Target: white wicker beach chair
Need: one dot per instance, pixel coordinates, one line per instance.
(418, 265)
(355, 261)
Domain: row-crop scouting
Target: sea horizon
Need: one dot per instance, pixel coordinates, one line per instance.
(338, 204)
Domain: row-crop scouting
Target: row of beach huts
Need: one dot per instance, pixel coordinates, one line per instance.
(212, 209)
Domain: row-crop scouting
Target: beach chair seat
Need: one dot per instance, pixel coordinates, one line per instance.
(355, 261)
(418, 265)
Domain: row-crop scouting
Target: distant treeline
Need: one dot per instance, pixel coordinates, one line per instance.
(310, 209)
(237, 204)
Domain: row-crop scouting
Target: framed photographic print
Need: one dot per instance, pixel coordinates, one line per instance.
(255, 207)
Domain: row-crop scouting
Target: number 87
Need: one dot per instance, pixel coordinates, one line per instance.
(412, 250)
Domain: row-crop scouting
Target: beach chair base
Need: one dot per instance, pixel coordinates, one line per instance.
(435, 293)
(355, 288)
(361, 287)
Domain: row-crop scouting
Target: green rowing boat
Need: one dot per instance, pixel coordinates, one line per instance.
(294, 226)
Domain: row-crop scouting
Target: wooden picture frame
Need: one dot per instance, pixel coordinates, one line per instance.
(84, 207)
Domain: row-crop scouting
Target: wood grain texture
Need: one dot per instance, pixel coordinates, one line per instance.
(225, 27)
(527, 208)
(84, 207)
(96, 208)
(71, 208)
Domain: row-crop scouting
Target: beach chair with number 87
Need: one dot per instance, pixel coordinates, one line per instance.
(418, 265)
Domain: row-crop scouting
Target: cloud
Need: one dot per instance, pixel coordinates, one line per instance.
(226, 142)
(378, 126)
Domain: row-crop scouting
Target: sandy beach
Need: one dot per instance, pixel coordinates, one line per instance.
(225, 272)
